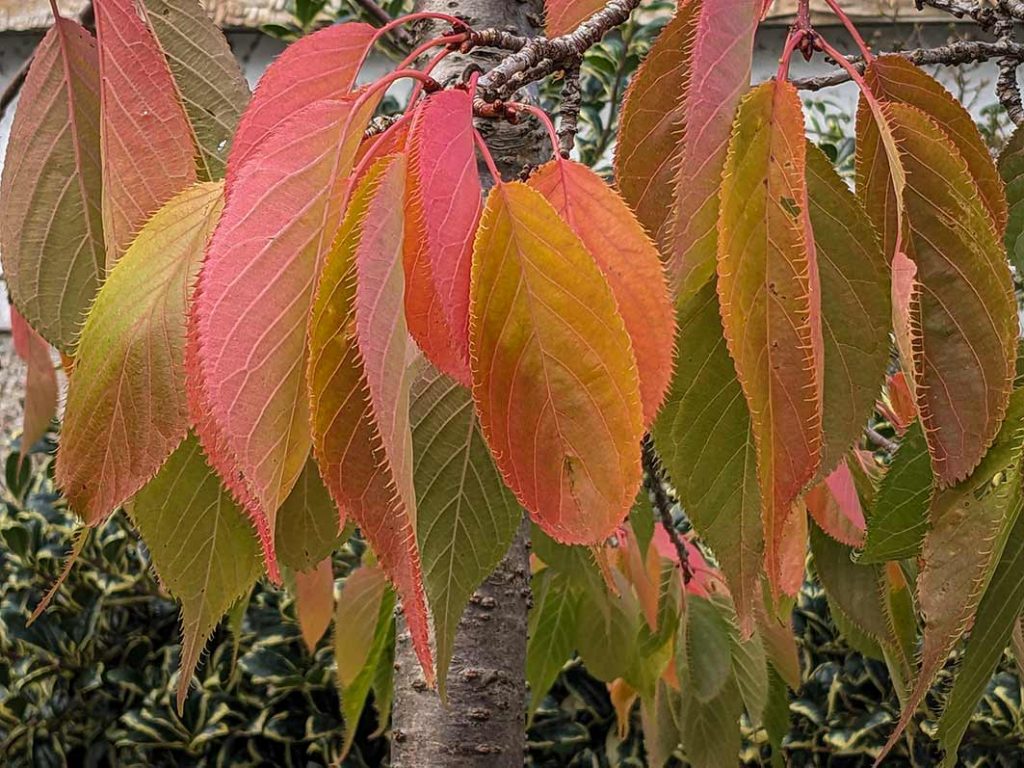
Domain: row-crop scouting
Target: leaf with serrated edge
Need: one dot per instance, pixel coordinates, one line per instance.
(965, 347)
(444, 197)
(855, 308)
(554, 378)
(126, 408)
(359, 384)
(40, 381)
(362, 623)
(1011, 168)
(990, 634)
(253, 299)
(650, 129)
(769, 297)
(980, 510)
(629, 261)
(723, 51)
(314, 602)
(898, 518)
(51, 225)
(563, 16)
(207, 78)
(148, 152)
(552, 632)
(308, 525)
(323, 65)
(465, 516)
(703, 438)
(836, 508)
(203, 549)
(894, 78)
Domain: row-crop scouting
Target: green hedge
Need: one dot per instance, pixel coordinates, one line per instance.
(92, 682)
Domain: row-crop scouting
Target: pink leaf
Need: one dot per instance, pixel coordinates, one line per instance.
(148, 151)
(835, 507)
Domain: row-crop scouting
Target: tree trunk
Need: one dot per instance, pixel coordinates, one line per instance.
(483, 722)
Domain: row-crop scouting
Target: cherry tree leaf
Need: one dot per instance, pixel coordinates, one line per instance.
(359, 382)
(855, 308)
(649, 129)
(126, 409)
(552, 632)
(563, 16)
(51, 225)
(203, 550)
(1011, 168)
(554, 378)
(965, 342)
(308, 526)
(466, 518)
(40, 381)
(444, 199)
(723, 49)
(323, 65)
(148, 151)
(898, 518)
(629, 261)
(982, 510)
(769, 297)
(207, 78)
(704, 440)
(253, 300)
(835, 507)
(892, 78)
(314, 602)
(365, 612)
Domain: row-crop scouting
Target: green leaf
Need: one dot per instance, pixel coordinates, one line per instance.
(552, 628)
(307, 527)
(897, 520)
(709, 649)
(466, 518)
(750, 669)
(1011, 168)
(203, 549)
(710, 730)
(990, 634)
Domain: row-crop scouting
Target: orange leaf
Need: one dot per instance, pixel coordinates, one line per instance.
(554, 377)
(769, 299)
(629, 261)
(314, 602)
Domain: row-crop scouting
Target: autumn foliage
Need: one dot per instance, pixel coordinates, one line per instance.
(278, 321)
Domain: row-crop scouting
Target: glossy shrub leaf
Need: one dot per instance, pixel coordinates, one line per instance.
(893, 78)
(704, 440)
(554, 377)
(251, 306)
(629, 261)
(323, 65)
(363, 623)
(552, 632)
(203, 549)
(207, 78)
(308, 525)
(40, 381)
(982, 510)
(51, 225)
(465, 516)
(148, 151)
(898, 518)
(359, 382)
(991, 632)
(723, 49)
(649, 129)
(855, 308)
(444, 198)
(1011, 169)
(770, 300)
(314, 602)
(126, 409)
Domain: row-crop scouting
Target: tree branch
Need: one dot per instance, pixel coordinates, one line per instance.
(569, 111)
(655, 485)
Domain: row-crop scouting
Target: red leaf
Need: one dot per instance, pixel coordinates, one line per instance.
(899, 406)
(554, 378)
(323, 65)
(629, 261)
(444, 198)
(253, 299)
(359, 383)
(148, 152)
(40, 381)
(835, 507)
